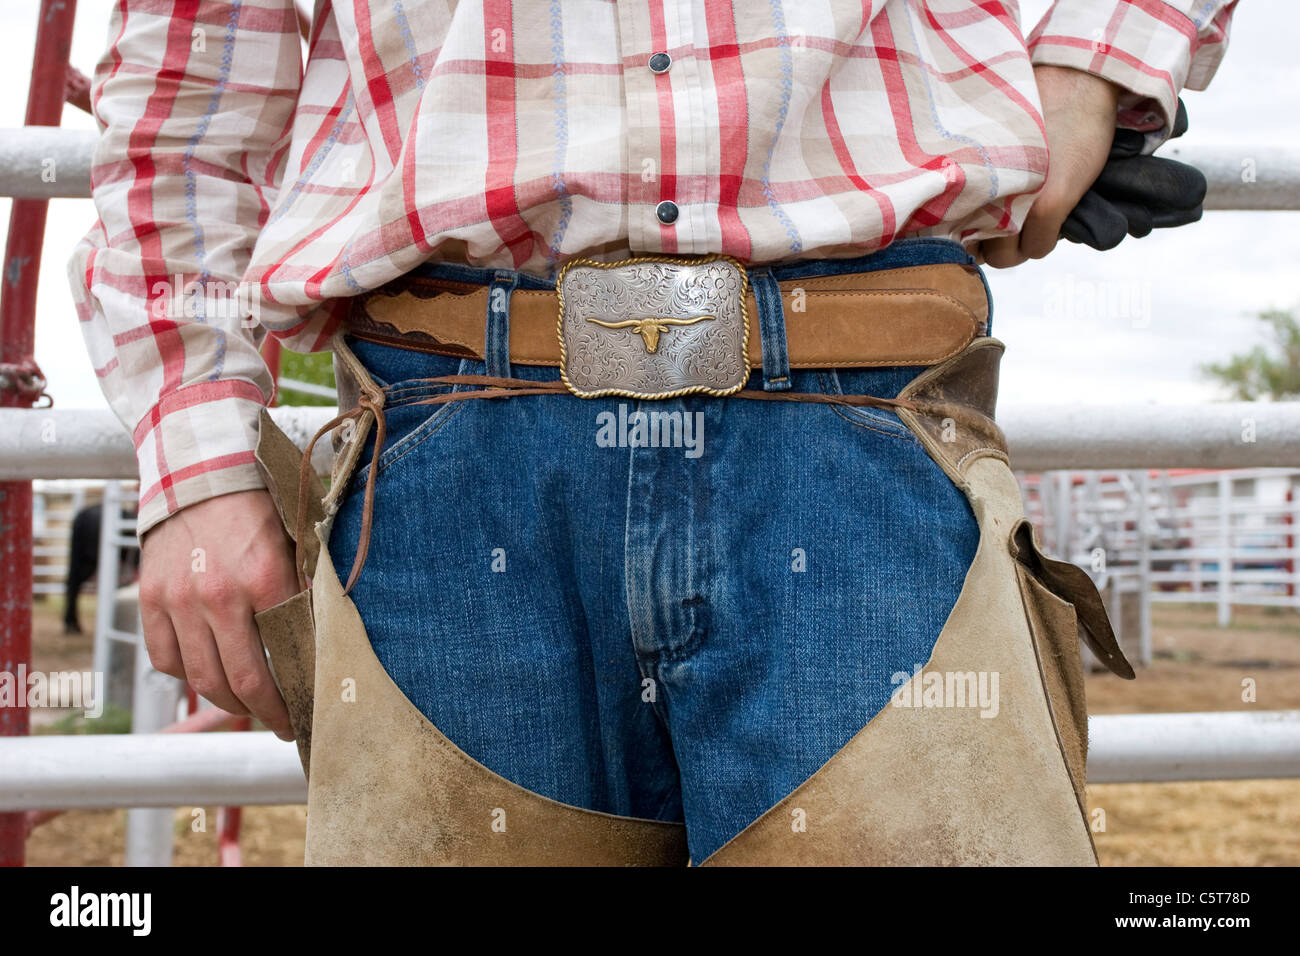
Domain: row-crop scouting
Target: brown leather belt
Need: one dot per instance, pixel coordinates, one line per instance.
(915, 315)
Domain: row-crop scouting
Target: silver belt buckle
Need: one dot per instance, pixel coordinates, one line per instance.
(654, 327)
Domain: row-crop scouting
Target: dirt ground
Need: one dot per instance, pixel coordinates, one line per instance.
(1196, 667)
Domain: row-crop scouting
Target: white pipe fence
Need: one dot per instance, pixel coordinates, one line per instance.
(1244, 177)
(58, 443)
(1211, 435)
(81, 772)
(51, 163)
(1153, 748)
(77, 443)
(250, 769)
(46, 162)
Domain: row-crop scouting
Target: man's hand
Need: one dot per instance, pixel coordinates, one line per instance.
(1136, 193)
(1079, 112)
(204, 572)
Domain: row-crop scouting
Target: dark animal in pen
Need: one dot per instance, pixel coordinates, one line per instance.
(83, 560)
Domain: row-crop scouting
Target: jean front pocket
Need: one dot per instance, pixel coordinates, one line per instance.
(885, 382)
(409, 420)
(406, 379)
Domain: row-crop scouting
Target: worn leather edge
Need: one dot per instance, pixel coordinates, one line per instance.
(957, 427)
(288, 631)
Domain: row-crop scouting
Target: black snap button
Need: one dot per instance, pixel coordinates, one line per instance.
(660, 62)
(667, 212)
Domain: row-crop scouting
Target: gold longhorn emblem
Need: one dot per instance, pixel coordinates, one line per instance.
(650, 328)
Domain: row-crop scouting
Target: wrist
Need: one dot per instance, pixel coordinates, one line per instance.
(1065, 84)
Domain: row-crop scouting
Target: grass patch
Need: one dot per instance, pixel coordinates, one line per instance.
(114, 720)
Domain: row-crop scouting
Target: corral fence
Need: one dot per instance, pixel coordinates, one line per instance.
(1178, 536)
(152, 770)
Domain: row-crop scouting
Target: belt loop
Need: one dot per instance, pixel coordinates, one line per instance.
(496, 347)
(771, 328)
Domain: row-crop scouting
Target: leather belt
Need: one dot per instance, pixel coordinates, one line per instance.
(914, 315)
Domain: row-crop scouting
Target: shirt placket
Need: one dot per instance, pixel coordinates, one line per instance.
(664, 108)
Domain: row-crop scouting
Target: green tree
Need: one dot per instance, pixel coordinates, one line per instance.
(1266, 371)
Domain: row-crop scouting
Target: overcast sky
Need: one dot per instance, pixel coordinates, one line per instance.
(1130, 325)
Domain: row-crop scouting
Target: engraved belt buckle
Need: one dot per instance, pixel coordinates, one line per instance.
(654, 327)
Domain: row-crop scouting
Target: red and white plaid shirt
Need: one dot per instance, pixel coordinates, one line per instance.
(521, 133)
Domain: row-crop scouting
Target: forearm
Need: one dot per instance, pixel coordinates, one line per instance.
(194, 109)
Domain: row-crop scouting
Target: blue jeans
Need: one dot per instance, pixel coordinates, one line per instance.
(679, 633)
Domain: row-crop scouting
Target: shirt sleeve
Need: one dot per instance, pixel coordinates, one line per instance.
(194, 100)
(1153, 49)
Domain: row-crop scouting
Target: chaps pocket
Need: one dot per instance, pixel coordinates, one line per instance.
(1071, 583)
(288, 631)
(1054, 627)
(1063, 607)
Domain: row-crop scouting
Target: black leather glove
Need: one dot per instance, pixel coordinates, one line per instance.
(1135, 194)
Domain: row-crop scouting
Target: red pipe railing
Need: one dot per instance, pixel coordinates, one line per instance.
(21, 384)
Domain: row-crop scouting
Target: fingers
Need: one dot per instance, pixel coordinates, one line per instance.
(1131, 196)
(1041, 230)
(227, 644)
(244, 663)
(213, 644)
(159, 636)
(1002, 252)
(203, 667)
(1038, 237)
(205, 571)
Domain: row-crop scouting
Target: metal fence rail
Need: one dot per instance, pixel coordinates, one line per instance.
(45, 162)
(73, 443)
(52, 163)
(56, 443)
(148, 770)
(1154, 748)
(178, 770)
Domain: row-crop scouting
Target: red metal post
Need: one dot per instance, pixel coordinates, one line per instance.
(230, 818)
(20, 384)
